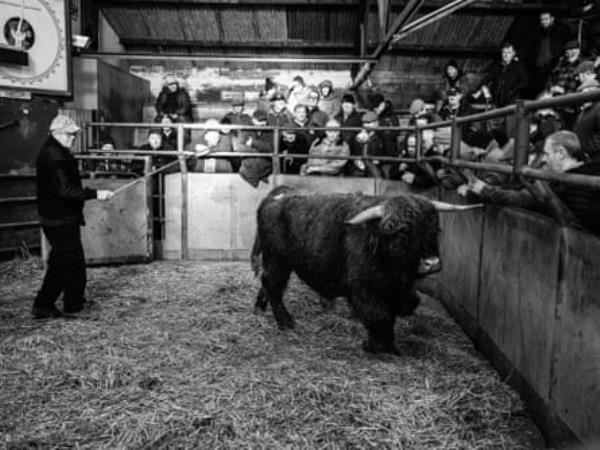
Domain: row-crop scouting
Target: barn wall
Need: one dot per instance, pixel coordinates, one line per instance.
(525, 290)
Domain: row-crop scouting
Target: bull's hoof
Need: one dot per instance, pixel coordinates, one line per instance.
(287, 324)
(378, 347)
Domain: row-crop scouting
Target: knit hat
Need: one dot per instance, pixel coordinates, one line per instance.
(348, 98)
(572, 44)
(416, 106)
(259, 114)
(269, 84)
(585, 66)
(65, 124)
(326, 83)
(369, 116)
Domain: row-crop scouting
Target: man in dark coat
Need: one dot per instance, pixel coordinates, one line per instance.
(508, 80)
(174, 101)
(547, 48)
(60, 199)
(349, 117)
(587, 125)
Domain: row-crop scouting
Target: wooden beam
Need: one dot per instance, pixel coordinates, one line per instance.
(407, 13)
(383, 15)
(296, 44)
(229, 3)
(442, 50)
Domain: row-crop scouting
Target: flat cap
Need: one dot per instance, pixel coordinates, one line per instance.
(64, 123)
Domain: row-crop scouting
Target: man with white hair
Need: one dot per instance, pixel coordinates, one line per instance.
(60, 199)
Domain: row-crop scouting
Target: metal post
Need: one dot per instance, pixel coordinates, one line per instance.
(276, 166)
(521, 154)
(418, 143)
(455, 142)
(184, 193)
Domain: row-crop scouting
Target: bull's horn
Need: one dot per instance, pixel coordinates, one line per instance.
(374, 212)
(449, 207)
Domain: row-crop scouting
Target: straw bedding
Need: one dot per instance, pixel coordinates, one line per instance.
(176, 358)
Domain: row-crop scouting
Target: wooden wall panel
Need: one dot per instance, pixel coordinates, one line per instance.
(519, 268)
(576, 375)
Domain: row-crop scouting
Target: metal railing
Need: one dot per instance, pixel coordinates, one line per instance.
(518, 168)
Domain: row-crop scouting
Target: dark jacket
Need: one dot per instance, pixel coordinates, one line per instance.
(177, 102)
(587, 129)
(353, 120)
(60, 195)
(507, 82)
(549, 46)
(374, 147)
(387, 118)
(584, 202)
(299, 146)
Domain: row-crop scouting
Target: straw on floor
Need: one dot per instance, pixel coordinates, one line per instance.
(176, 358)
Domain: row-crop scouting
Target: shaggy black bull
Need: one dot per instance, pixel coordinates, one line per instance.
(369, 249)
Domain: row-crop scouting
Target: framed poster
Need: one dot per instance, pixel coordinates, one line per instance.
(42, 29)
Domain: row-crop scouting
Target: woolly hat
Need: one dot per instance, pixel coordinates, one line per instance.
(326, 83)
(416, 106)
(369, 116)
(269, 84)
(348, 98)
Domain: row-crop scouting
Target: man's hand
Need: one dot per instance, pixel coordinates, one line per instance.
(359, 164)
(408, 177)
(104, 195)
(477, 186)
(462, 190)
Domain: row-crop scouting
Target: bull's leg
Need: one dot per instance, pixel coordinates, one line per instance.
(274, 281)
(261, 301)
(377, 318)
(407, 303)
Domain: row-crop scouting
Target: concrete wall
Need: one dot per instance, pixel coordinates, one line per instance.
(525, 290)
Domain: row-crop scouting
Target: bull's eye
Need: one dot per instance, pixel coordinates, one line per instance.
(388, 226)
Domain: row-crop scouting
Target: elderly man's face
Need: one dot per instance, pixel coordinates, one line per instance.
(553, 156)
(65, 139)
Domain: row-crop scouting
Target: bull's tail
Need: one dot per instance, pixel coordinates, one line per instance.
(255, 256)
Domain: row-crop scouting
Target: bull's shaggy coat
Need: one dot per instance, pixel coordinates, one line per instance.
(374, 264)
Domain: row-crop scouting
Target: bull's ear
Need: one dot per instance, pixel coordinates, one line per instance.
(372, 213)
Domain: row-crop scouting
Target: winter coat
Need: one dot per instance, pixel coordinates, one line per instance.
(507, 83)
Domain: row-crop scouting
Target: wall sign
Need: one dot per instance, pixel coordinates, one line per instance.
(42, 29)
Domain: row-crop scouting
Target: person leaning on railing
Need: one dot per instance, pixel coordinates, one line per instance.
(570, 204)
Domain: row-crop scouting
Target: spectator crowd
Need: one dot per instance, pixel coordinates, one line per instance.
(565, 139)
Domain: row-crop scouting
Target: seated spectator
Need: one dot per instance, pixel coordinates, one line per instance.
(366, 142)
(316, 117)
(293, 142)
(507, 80)
(213, 141)
(585, 72)
(454, 106)
(587, 125)
(155, 143)
(562, 154)
(349, 117)
(300, 120)
(264, 98)
(331, 144)
(298, 93)
(174, 101)
(453, 78)
(169, 135)
(278, 114)
(253, 170)
(328, 102)
(421, 174)
(386, 118)
(237, 116)
(563, 77)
